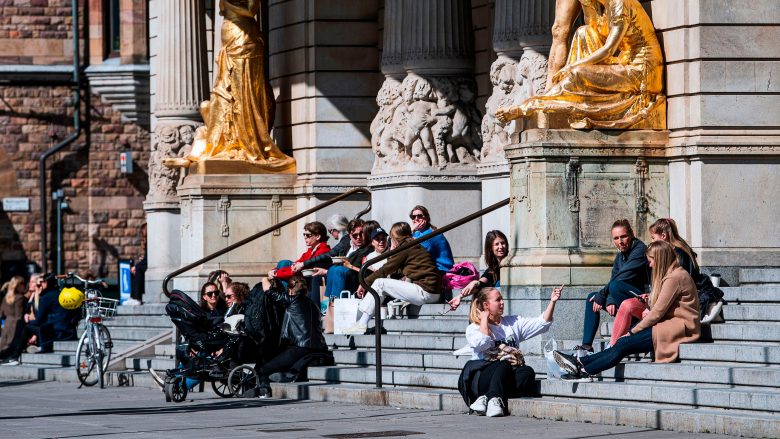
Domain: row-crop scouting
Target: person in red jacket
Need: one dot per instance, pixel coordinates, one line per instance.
(316, 237)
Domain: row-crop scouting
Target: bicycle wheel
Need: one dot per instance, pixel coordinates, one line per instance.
(86, 364)
(102, 339)
(221, 388)
(241, 379)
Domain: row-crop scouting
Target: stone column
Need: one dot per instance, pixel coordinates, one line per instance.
(181, 85)
(521, 39)
(426, 137)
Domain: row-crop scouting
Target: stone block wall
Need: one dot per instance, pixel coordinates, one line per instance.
(723, 113)
(35, 32)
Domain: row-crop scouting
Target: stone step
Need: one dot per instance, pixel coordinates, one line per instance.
(131, 333)
(655, 416)
(446, 379)
(427, 325)
(68, 375)
(759, 276)
(165, 350)
(70, 346)
(395, 341)
(50, 359)
(764, 312)
(157, 309)
(701, 373)
(140, 321)
(735, 352)
(751, 294)
(693, 396)
(144, 363)
(731, 331)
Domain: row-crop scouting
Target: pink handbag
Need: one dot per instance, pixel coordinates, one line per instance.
(459, 276)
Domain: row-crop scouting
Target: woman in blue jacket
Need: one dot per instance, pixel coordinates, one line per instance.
(437, 247)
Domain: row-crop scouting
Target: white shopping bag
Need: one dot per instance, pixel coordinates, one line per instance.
(345, 312)
(554, 372)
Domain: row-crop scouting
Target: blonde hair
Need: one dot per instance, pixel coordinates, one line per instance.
(400, 231)
(11, 287)
(668, 227)
(664, 261)
(480, 298)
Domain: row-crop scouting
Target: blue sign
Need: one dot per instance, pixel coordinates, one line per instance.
(125, 279)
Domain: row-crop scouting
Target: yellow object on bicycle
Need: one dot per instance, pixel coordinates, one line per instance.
(71, 298)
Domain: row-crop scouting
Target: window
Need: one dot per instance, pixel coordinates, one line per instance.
(111, 28)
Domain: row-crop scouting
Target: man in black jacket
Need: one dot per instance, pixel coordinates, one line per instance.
(301, 337)
(630, 273)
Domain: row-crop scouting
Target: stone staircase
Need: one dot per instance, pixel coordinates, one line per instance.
(729, 386)
(131, 331)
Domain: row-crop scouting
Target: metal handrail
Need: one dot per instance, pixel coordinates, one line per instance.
(267, 231)
(399, 249)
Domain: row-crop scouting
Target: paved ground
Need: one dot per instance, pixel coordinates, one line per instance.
(61, 410)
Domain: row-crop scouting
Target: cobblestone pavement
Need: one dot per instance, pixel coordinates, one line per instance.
(36, 409)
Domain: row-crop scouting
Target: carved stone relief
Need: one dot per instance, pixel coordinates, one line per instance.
(513, 83)
(168, 140)
(426, 122)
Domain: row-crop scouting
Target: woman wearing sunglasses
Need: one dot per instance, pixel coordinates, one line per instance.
(212, 302)
(438, 247)
(315, 235)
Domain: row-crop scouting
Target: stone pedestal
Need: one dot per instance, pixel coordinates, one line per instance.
(447, 195)
(568, 187)
(219, 210)
(494, 179)
(163, 246)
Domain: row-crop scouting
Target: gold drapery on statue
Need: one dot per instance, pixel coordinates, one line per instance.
(239, 115)
(613, 78)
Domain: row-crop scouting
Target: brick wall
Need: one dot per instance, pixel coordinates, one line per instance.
(106, 215)
(44, 25)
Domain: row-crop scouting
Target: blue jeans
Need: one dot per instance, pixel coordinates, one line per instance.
(339, 279)
(632, 344)
(618, 291)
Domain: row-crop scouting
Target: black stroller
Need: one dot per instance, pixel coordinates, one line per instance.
(211, 353)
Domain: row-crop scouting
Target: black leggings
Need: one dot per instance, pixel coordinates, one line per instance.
(501, 380)
(280, 363)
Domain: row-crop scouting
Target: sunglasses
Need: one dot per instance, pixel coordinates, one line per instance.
(417, 216)
(211, 293)
(307, 235)
(357, 235)
(333, 231)
(229, 296)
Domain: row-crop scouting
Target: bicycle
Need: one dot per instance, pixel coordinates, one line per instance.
(94, 349)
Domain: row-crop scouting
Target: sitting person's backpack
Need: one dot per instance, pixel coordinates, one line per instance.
(459, 276)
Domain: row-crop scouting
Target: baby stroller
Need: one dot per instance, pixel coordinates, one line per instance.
(210, 353)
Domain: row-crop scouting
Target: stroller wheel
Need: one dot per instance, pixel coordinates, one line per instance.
(175, 389)
(241, 379)
(221, 388)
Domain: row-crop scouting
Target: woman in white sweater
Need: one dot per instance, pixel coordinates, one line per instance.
(497, 370)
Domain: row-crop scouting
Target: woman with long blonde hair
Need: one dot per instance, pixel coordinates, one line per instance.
(497, 370)
(12, 309)
(673, 318)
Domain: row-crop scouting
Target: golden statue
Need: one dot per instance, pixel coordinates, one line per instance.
(239, 114)
(613, 78)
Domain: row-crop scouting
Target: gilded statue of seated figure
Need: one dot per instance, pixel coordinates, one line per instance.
(613, 78)
(240, 112)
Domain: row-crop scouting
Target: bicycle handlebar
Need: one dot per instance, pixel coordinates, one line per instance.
(79, 278)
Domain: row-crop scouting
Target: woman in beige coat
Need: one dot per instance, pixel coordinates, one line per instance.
(12, 309)
(673, 318)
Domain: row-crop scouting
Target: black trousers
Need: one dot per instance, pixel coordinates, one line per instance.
(280, 363)
(19, 343)
(501, 380)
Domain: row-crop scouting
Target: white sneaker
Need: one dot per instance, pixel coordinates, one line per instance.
(156, 378)
(495, 407)
(356, 329)
(33, 349)
(11, 363)
(480, 405)
(131, 302)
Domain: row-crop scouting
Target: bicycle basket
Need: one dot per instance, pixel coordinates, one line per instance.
(107, 308)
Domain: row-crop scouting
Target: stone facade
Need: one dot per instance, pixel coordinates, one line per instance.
(105, 214)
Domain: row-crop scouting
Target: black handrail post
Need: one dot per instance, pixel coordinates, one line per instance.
(262, 233)
(399, 249)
